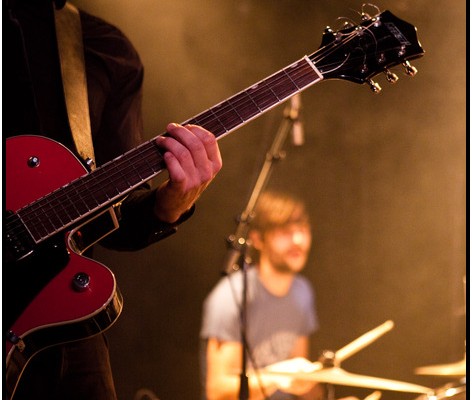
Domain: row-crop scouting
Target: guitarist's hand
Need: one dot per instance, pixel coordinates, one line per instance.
(193, 159)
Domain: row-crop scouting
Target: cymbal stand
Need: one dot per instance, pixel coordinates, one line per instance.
(236, 256)
(328, 360)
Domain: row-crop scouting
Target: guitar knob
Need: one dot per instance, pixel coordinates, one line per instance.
(390, 76)
(374, 86)
(33, 162)
(81, 282)
(409, 69)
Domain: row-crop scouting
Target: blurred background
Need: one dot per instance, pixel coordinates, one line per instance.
(384, 176)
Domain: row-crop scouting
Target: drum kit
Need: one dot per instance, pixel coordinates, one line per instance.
(328, 371)
(456, 390)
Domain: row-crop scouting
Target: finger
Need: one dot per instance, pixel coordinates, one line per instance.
(210, 144)
(187, 138)
(203, 149)
(176, 172)
(178, 157)
(191, 153)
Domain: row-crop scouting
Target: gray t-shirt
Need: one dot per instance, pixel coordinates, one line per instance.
(273, 323)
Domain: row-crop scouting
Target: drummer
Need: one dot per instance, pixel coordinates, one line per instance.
(281, 310)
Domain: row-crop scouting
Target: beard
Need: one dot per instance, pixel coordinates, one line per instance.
(286, 265)
(283, 268)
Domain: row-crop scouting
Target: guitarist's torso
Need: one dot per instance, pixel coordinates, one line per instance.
(48, 300)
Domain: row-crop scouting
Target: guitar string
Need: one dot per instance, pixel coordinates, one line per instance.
(207, 118)
(31, 213)
(99, 183)
(47, 207)
(315, 57)
(321, 54)
(41, 204)
(203, 122)
(92, 183)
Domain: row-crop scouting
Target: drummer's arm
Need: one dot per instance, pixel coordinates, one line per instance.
(314, 390)
(304, 389)
(224, 365)
(223, 373)
(301, 348)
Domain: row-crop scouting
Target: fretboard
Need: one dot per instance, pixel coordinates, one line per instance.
(248, 104)
(75, 201)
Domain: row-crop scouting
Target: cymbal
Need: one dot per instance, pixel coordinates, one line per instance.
(338, 376)
(453, 369)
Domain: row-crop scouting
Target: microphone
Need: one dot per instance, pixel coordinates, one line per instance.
(298, 134)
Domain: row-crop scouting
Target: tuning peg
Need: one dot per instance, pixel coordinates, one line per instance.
(348, 24)
(374, 86)
(409, 69)
(390, 76)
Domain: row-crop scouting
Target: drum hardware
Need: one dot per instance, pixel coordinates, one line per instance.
(327, 369)
(453, 369)
(451, 391)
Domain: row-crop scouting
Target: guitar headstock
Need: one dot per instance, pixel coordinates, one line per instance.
(358, 53)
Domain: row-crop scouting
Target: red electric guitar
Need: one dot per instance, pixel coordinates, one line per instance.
(53, 294)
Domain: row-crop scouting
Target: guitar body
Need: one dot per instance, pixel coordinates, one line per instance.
(47, 300)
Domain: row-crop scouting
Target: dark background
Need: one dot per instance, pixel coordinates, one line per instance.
(384, 177)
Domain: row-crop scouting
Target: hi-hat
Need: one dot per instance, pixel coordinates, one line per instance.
(453, 369)
(337, 376)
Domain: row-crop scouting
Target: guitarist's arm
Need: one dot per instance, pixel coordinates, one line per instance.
(193, 159)
(191, 154)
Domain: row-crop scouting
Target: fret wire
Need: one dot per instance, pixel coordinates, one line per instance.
(289, 76)
(42, 224)
(58, 210)
(200, 119)
(304, 75)
(302, 65)
(72, 202)
(149, 156)
(14, 225)
(263, 95)
(271, 90)
(228, 117)
(138, 168)
(249, 105)
(211, 110)
(282, 89)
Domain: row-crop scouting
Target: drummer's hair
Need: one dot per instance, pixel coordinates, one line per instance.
(276, 209)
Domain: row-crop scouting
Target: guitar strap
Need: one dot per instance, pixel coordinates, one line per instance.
(71, 54)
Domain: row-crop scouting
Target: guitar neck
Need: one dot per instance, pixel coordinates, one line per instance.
(356, 53)
(248, 104)
(110, 182)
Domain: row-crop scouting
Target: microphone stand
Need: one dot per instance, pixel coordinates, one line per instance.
(236, 255)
